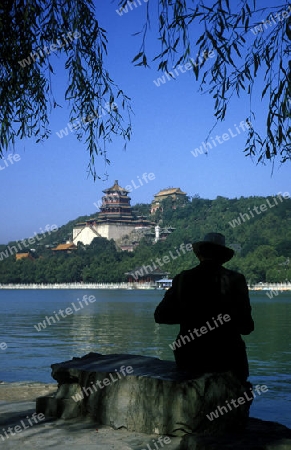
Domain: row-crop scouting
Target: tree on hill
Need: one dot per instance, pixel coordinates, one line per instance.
(262, 256)
(241, 49)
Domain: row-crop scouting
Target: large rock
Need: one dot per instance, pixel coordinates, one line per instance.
(143, 394)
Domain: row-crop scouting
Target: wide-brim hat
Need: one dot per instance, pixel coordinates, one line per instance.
(213, 245)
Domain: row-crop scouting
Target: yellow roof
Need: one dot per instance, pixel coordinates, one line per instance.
(23, 256)
(170, 191)
(64, 247)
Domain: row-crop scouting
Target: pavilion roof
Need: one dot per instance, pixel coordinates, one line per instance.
(115, 187)
(170, 191)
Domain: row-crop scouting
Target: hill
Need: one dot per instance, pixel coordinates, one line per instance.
(258, 228)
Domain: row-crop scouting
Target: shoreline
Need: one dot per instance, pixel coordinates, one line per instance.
(28, 391)
(122, 285)
(130, 285)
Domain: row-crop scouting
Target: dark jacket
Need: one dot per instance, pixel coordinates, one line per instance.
(197, 298)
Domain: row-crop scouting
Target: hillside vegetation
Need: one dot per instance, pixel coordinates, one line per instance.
(258, 228)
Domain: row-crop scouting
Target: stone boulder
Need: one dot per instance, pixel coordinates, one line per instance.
(145, 394)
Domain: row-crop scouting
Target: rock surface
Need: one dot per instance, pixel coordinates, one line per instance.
(59, 434)
(85, 433)
(142, 394)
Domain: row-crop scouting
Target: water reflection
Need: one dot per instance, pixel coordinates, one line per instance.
(122, 322)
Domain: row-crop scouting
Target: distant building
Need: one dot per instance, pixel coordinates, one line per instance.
(116, 205)
(65, 248)
(128, 247)
(114, 221)
(161, 234)
(164, 283)
(175, 194)
(26, 255)
(143, 275)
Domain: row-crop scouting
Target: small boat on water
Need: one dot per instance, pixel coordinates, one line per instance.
(164, 283)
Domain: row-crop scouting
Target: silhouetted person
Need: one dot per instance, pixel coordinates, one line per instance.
(212, 306)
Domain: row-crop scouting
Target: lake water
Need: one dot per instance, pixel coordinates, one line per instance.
(121, 321)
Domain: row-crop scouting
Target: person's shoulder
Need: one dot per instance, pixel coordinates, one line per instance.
(185, 274)
(230, 271)
(189, 272)
(232, 274)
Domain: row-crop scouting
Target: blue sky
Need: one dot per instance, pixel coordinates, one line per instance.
(49, 184)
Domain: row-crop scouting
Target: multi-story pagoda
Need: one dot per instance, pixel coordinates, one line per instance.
(114, 221)
(116, 205)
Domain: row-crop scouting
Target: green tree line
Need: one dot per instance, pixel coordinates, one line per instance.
(258, 228)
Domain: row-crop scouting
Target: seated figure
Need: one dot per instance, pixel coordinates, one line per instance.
(211, 304)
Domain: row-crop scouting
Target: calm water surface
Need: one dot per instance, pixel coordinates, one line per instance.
(121, 321)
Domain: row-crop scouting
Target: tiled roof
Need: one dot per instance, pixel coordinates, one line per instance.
(22, 255)
(170, 191)
(115, 187)
(65, 247)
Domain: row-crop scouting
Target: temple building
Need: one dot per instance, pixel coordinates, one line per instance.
(65, 248)
(116, 205)
(114, 221)
(175, 194)
(26, 255)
